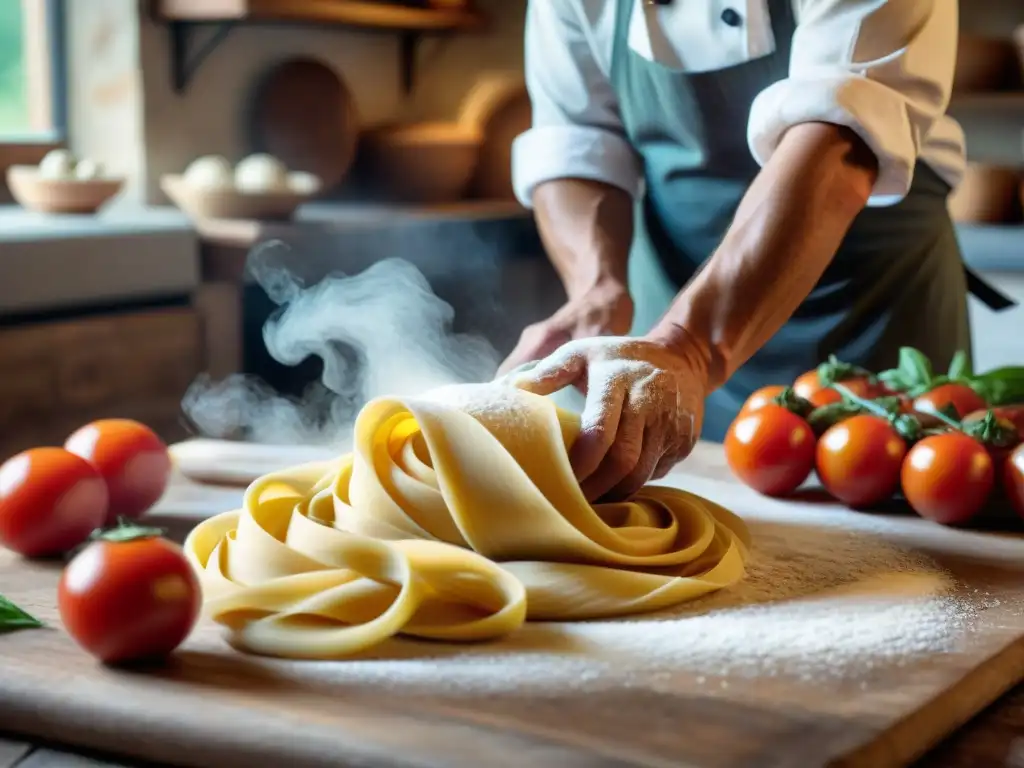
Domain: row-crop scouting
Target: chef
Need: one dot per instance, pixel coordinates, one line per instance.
(731, 190)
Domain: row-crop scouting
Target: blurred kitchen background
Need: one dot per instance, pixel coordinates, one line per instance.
(121, 286)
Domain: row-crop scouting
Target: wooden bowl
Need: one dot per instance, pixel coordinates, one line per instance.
(206, 204)
(1018, 38)
(987, 195)
(59, 195)
(983, 64)
(425, 163)
(498, 106)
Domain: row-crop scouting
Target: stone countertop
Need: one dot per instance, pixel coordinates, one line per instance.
(993, 248)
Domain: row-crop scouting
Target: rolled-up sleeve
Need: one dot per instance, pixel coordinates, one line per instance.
(883, 68)
(576, 131)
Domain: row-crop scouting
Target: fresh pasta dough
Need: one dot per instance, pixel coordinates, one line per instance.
(455, 517)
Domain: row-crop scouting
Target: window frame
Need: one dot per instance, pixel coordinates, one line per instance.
(46, 69)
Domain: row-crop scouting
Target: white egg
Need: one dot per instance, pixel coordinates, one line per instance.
(209, 172)
(58, 164)
(88, 170)
(303, 183)
(261, 173)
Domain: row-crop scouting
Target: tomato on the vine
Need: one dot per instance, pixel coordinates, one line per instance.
(960, 396)
(762, 397)
(1014, 414)
(129, 600)
(809, 387)
(50, 501)
(771, 450)
(858, 460)
(1013, 479)
(132, 459)
(948, 478)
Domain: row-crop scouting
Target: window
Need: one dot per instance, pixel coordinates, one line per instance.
(32, 103)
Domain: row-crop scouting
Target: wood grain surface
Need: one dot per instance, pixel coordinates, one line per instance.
(233, 709)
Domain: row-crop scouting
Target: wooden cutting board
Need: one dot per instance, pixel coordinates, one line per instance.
(554, 695)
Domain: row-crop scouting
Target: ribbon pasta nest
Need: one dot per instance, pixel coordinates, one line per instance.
(455, 517)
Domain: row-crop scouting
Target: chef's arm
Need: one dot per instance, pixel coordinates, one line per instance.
(786, 230)
(575, 167)
(586, 227)
(867, 83)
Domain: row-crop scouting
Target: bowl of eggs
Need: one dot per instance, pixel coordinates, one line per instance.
(258, 187)
(62, 183)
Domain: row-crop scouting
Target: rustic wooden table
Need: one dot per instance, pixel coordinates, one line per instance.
(995, 737)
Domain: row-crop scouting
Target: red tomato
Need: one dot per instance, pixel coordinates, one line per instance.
(960, 396)
(50, 501)
(131, 458)
(762, 397)
(1013, 479)
(129, 600)
(771, 450)
(858, 460)
(948, 478)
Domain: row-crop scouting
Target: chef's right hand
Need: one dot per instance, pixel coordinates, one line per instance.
(605, 309)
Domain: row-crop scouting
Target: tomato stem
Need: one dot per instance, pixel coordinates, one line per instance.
(906, 426)
(791, 401)
(127, 530)
(834, 370)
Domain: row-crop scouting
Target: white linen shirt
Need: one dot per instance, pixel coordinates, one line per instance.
(883, 68)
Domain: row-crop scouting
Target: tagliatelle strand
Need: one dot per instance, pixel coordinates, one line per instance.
(456, 517)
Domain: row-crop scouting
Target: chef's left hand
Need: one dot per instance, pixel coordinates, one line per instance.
(643, 413)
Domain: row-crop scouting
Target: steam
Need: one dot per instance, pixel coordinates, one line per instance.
(379, 332)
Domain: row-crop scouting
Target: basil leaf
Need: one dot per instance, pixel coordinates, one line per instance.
(959, 366)
(915, 366)
(13, 618)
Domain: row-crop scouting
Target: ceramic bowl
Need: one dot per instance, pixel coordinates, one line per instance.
(36, 193)
(228, 203)
(424, 163)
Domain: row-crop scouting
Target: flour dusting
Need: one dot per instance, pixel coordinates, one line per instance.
(818, 602)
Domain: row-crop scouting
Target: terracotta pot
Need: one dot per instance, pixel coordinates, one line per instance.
(426, 163)
(987, 195)
(59, 195)
(983, 64)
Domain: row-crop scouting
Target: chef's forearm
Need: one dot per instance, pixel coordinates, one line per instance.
(587, 230)
(787, 229)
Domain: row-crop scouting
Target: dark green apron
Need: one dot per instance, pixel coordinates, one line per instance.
(898, 279)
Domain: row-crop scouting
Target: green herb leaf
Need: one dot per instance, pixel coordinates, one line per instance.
(959, 367)
(915, 366)
(1001, 386)
(13, 618)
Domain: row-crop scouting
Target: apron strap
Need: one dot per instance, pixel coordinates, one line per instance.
(985, 292)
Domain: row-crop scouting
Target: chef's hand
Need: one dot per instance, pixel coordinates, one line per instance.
(643, 413)
(604, 309)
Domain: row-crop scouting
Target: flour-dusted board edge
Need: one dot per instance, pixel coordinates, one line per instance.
(409, 704)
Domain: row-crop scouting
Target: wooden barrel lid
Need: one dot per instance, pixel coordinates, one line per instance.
(302, 112)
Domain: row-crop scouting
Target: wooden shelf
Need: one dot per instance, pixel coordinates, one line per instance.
(411, 22)
(358, 13)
